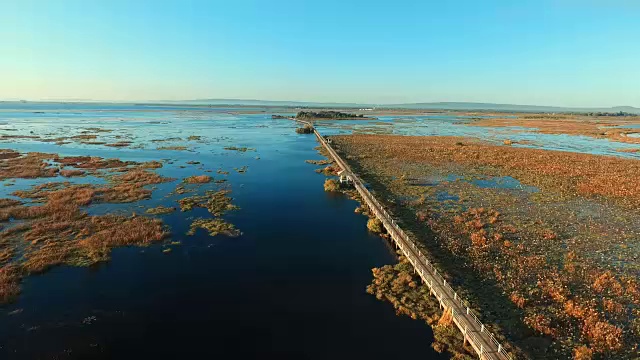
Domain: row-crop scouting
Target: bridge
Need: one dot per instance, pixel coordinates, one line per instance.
(473, 330)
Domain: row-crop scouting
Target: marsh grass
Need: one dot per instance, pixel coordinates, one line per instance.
(119, 144)
(214, 227)
(55, 229)
(216, 202)
(198, 179)
(397, 285)
(160, 210)
(528, 260)
(242, 169)
(72, 173)
(597, 127)
(374, 225)
(239, 149)
(176, 148)
(29, 166)
(331, 185)
(318, 162)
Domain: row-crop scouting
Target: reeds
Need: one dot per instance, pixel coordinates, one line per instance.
(197, 179)
(160, 210)
(214, 227)
(331, 185)
(374, 225)
(551, 271)
(55, 229)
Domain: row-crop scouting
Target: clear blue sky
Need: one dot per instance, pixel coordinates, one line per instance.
(548, 52)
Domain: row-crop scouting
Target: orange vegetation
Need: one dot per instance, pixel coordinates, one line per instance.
(198, 179)
(55, 229)
(598, 127)
(583, 306)
(558, 171)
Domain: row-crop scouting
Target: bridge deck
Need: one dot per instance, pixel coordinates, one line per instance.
(480, 339)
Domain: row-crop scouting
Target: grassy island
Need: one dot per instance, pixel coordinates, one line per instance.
(329, 115)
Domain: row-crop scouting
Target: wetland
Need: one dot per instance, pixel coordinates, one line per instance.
(174, 246)
(195, 231)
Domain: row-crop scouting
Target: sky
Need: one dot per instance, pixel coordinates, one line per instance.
(579, 53)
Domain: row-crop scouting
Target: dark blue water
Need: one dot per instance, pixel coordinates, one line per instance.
(292, 286)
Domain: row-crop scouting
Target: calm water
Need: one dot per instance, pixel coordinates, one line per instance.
(292, 286)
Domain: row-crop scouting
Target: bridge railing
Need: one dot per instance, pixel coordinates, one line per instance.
(406, 241)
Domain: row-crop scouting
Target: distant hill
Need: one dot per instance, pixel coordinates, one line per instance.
(469, 106)
(250, 102)
(454, 106)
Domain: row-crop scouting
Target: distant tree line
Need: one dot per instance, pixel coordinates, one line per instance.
(305, 130)
(332, 115)
(599, 113)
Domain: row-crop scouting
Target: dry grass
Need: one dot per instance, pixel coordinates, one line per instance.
(160, 210)
(72, 173)
(198, 179)
(318, 162)
(55, 229)
(375, 225)
(93, 162)
(556, 171)
(114, 231)
(217, 202)
(239, 149)
(176, 148)
(539, 263)
(214, 227)
(597, 127)
(4, 203)
(399, 286)
(140, 177)
(29, 166)
(331, 185)
(119, 144)
(84, 137)
(151, 165)
(9, 283)
(8, 154)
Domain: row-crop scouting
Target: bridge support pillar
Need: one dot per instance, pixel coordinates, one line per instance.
(464, 336)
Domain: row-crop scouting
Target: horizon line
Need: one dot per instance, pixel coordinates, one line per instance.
(148, 101)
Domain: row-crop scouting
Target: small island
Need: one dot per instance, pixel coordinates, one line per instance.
(329, 115)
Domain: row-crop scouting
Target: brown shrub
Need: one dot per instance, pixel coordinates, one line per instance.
(517, 299)
(375, 225)
(331, 185)
(582, 353)
(602, 336)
